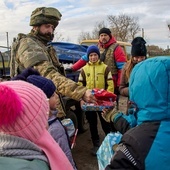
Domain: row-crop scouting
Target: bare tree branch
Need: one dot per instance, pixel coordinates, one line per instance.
(94, 34)
(123, 26)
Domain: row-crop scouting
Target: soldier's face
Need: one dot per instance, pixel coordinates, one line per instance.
(104, 38)
(47, 30)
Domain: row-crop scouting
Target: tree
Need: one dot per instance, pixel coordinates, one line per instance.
(98, 26)
(153, 50)
(58, 37)
(123, 27)
(169, 25)
(84, 36)
(94, 34)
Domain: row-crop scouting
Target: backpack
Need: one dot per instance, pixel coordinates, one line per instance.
(14, 48)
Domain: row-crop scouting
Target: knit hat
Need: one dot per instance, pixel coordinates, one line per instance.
(23, 113)
(93, 49)
(30, 75)
(46, 85)
(106, 31)
(138, 47)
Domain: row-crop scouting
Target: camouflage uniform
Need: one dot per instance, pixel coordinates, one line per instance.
(33, 52)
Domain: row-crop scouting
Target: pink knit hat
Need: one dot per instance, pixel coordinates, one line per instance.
(23, 113)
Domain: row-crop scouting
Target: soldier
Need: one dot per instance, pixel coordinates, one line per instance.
(34, 51)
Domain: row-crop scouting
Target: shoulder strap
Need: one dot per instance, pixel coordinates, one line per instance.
(52, 121)
(103, 55)
(112, 47)
(14, 48)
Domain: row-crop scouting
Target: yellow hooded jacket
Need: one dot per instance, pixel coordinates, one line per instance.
(96, 75)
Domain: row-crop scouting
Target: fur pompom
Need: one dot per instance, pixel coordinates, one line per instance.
(10, 106)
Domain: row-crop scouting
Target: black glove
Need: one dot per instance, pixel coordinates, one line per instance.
(69, 70)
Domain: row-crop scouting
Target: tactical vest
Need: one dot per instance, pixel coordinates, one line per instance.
(107, 56)
(14, 48)
(15, 65)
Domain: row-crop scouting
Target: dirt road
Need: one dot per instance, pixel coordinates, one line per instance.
(81, 153)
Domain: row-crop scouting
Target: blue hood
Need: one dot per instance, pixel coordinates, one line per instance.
(149, 88)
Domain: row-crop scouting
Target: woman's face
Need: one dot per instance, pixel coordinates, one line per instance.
(138, 59)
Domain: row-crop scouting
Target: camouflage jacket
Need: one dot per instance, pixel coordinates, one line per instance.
(32, 52)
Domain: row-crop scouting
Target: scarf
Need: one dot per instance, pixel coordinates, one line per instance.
(16, 147)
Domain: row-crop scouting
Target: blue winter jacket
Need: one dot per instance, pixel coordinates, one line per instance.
(146, 146)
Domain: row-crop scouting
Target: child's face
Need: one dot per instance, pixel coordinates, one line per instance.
(54, 101)
(93, 57)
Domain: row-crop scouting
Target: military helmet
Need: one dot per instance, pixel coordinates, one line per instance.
(45, 15)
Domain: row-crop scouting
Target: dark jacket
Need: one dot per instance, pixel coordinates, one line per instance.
(146, 146)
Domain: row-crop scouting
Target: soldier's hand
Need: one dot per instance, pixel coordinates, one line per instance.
(89, 97)
(82, 103)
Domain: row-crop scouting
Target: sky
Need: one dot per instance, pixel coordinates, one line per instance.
(82, 15)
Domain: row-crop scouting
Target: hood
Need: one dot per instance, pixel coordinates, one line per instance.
(149, 88)
(111, 41)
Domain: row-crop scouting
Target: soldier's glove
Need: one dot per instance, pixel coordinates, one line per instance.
(109, 115)
(69, 70)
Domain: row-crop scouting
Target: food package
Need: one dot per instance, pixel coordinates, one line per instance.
(104, 98)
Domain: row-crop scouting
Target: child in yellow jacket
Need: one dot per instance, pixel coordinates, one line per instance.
(96, 74)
